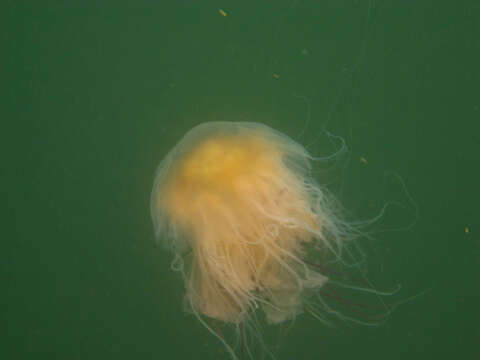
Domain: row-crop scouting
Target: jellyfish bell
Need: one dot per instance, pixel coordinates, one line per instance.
(238, 206)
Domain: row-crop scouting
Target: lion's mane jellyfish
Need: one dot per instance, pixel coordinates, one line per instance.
(239, 208)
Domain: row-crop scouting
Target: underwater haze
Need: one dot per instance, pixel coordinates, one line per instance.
(96, 93)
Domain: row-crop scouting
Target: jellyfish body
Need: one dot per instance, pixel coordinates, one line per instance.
(237, 205)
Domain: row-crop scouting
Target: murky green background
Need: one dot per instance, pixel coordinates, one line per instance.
(94, 93)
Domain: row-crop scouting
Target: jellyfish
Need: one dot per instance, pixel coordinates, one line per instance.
(238, 206)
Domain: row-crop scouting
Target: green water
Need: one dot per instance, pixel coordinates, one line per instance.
(94, 93)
